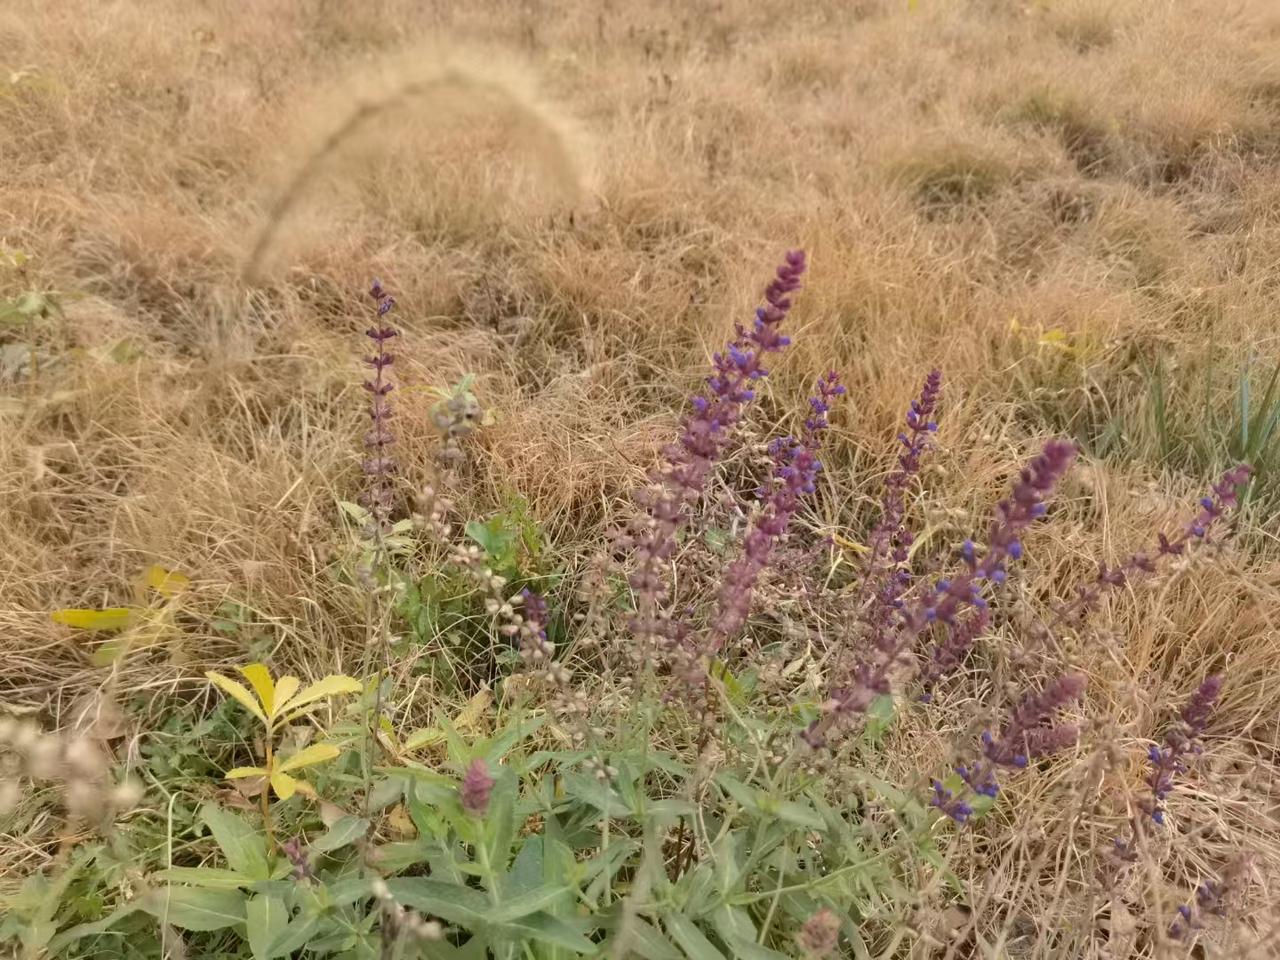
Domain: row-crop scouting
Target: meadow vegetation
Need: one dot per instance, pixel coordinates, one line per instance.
(612, 581)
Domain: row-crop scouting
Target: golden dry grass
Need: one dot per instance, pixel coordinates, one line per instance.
(579, 230)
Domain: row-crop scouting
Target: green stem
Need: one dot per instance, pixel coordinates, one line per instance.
(266, 795)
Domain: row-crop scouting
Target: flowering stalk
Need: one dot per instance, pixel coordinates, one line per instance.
(795, 473)
(1224, 496)
(1213, 898)
(949, 652)
(680, 481)
(890, 541)
(1167, 760)
(1029, 735)
(1025, 504)
(378, 465)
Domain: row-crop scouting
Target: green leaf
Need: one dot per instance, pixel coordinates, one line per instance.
(547, 929)
(456, 904)
(266, 919)
(81, 930)
(496, 539)
(348, 890)
(690, 939)
(527, 903)
(880, 715)
(801, 814)
(744, 949)
(193, 908)
(213, 878)
(245, 850)
(345, 830)
(301, 933)
(648, 942)
(718, 539)
(472, 909)
(392, 857)
(745, 796)
(596, 793)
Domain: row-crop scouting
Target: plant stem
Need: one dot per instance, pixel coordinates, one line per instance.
(266, 794)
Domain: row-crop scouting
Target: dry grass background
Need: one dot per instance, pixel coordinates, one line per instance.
(575, 202)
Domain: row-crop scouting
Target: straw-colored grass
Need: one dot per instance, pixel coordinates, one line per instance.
(1041, 198)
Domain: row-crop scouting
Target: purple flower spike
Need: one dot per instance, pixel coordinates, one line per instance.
(1012, 516)
(680, 480)
(1030, 734)
(884, 576)
(476, 787)
(378, 466)
(1167, 760)
(795, 472)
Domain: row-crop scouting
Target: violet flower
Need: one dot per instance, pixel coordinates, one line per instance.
(476, 787)
(535, 648)
(1013, 515)
(1167, 760)
(378, 465)
(299, 861)
(688, 462)
(1211, 898)
(795, 473)
(1029, 734)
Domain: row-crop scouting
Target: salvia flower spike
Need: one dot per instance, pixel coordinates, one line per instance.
(378, 464)
(680, 480)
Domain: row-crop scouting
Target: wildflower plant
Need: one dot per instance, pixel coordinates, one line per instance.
(690, 809)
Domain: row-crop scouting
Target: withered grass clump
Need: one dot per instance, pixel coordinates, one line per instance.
(1071, 207)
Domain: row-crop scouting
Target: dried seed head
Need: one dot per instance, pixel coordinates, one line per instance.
(85, 759)
(85, 800)
(10, 795)
(126, 795)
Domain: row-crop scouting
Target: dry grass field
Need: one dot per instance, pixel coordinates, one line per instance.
(1070, 206)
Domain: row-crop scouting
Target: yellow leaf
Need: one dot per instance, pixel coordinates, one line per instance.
(304, 788)
(237, 690)
(286, 687)
(237, 773)
(468, 717)
(167, 583)
(259, 678)
(284, 785)
(316, 753)
(328, 687)
(112, 618)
